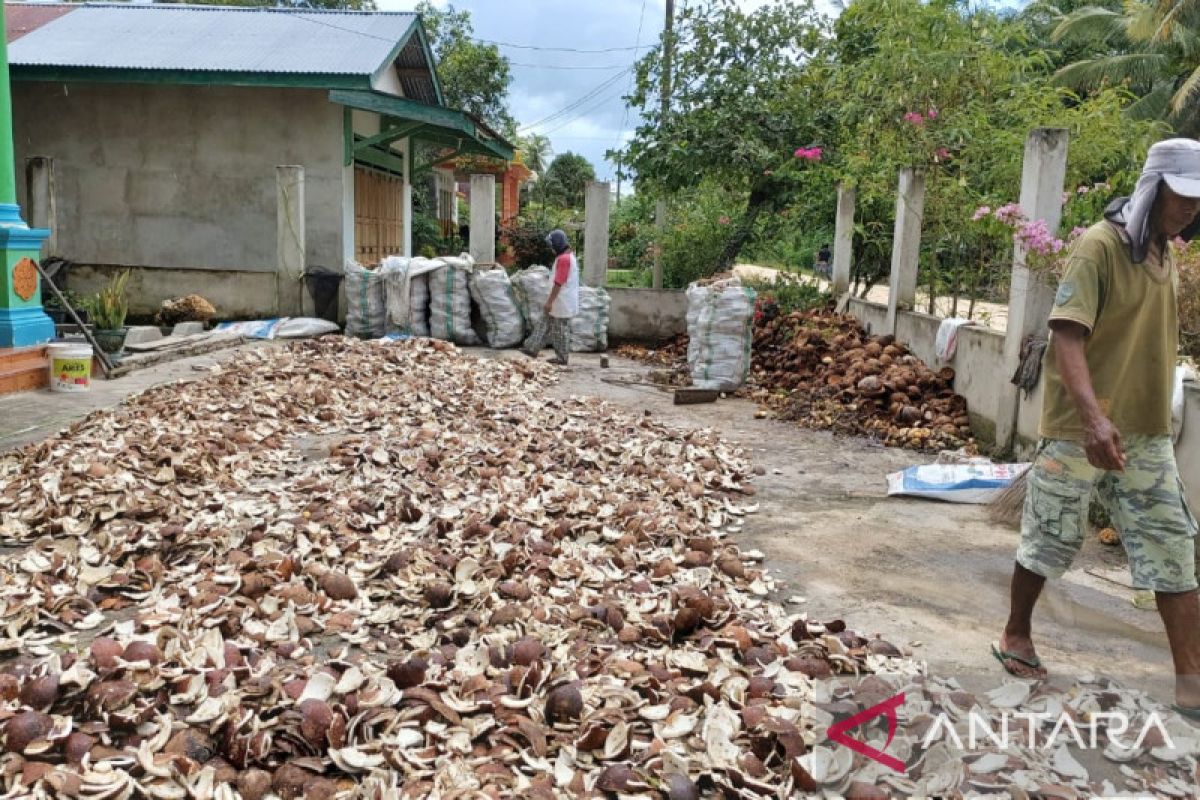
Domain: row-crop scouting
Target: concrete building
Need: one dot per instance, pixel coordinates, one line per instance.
(167, 138)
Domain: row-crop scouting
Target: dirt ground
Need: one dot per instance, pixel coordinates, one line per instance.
(927, 576)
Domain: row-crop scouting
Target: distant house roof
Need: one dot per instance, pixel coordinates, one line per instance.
(21, 19)
(220, 44)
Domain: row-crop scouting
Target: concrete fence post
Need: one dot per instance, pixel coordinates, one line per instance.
(906, 245)
(660, 229)
(290, 241)
(1030, 296)
(595, 236)
(843, 239)
(42, 200)
(483, 219)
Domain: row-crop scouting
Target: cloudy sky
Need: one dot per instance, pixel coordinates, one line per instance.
(549, 84)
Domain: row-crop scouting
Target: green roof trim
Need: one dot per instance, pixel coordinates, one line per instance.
(187, 77)
(451, 128)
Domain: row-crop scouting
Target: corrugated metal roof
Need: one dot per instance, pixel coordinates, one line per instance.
(214, 39)
(21, 19)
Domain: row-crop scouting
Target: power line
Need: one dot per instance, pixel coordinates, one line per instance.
(603, 86)
(582, 113)
(625, 116)
(567, 66)
(564, 49)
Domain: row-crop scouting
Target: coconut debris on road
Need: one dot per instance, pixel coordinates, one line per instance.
(391, 570)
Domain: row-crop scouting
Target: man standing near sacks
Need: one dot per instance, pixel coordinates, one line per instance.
(562, 304)
(1106, 416)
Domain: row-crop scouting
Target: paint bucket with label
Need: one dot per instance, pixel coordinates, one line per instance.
(70, 367)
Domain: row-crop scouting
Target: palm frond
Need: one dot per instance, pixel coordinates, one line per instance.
(1141, 21)
(1155, 104)
(1136, 69)
(1090, 23)
(1186, 94)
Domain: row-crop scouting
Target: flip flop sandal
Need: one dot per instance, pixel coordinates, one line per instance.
(1033, 663)
(1189, 712)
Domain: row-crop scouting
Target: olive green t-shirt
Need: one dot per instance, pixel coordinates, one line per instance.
(1133, 336)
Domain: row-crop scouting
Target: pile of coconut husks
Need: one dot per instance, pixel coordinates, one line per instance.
(344, 569)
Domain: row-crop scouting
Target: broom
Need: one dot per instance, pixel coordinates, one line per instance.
(1006, 509)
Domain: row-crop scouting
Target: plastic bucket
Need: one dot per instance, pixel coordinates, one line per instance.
(70, 367)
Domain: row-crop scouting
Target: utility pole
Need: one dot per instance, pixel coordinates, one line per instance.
(660, 207)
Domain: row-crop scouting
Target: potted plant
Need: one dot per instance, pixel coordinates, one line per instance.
(57, 312)
(109, 308)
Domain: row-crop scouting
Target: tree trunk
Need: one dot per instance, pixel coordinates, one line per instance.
(758, 203)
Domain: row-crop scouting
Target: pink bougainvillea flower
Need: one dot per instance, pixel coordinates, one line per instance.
(723, 220)
(915, 118)
(980, 213)
(933, 113)
(1010, 214)
(809, 153)
(942, 154)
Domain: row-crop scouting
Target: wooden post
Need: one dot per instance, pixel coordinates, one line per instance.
(595, 216)
(290, 241)
(1030, 297)
(906, 245)
(42, 194)
(843, 241)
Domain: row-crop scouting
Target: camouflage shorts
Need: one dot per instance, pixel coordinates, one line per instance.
(1146, 503)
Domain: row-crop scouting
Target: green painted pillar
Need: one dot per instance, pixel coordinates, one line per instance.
(22, 321)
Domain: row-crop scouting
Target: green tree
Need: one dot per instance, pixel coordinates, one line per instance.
(742, 103)
(537, 150)
(1153, 48)
(566, 180)
(475, 77)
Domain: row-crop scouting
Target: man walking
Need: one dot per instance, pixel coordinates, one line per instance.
(1106, 416)
(562, 304)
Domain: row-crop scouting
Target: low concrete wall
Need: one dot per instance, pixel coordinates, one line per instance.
(647, 315)
(235, 294)
(1187, 449)
(980, 374)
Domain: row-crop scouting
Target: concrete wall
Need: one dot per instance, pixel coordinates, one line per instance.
(234, 293)
(650, 315)
(182, 178)
(980, 374)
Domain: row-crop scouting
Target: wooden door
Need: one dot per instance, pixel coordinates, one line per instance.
(378, 215)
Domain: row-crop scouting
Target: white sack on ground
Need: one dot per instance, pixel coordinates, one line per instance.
(532, 287)
(720, 321)
(450, 301)
(407, 293)
(589, 328)
(955, 483)
(493, 292)
(366, 302)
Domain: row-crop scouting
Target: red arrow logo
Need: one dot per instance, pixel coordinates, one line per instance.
(837, 732)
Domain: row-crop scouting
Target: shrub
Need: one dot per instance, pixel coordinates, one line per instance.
(788, 293)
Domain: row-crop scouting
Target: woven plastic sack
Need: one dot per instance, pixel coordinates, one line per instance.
(532, 287)
(366, 301)
(450, 301)
(418, 304)
(407, 293)
(493, 292)
(589, 328)
(720, 321)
